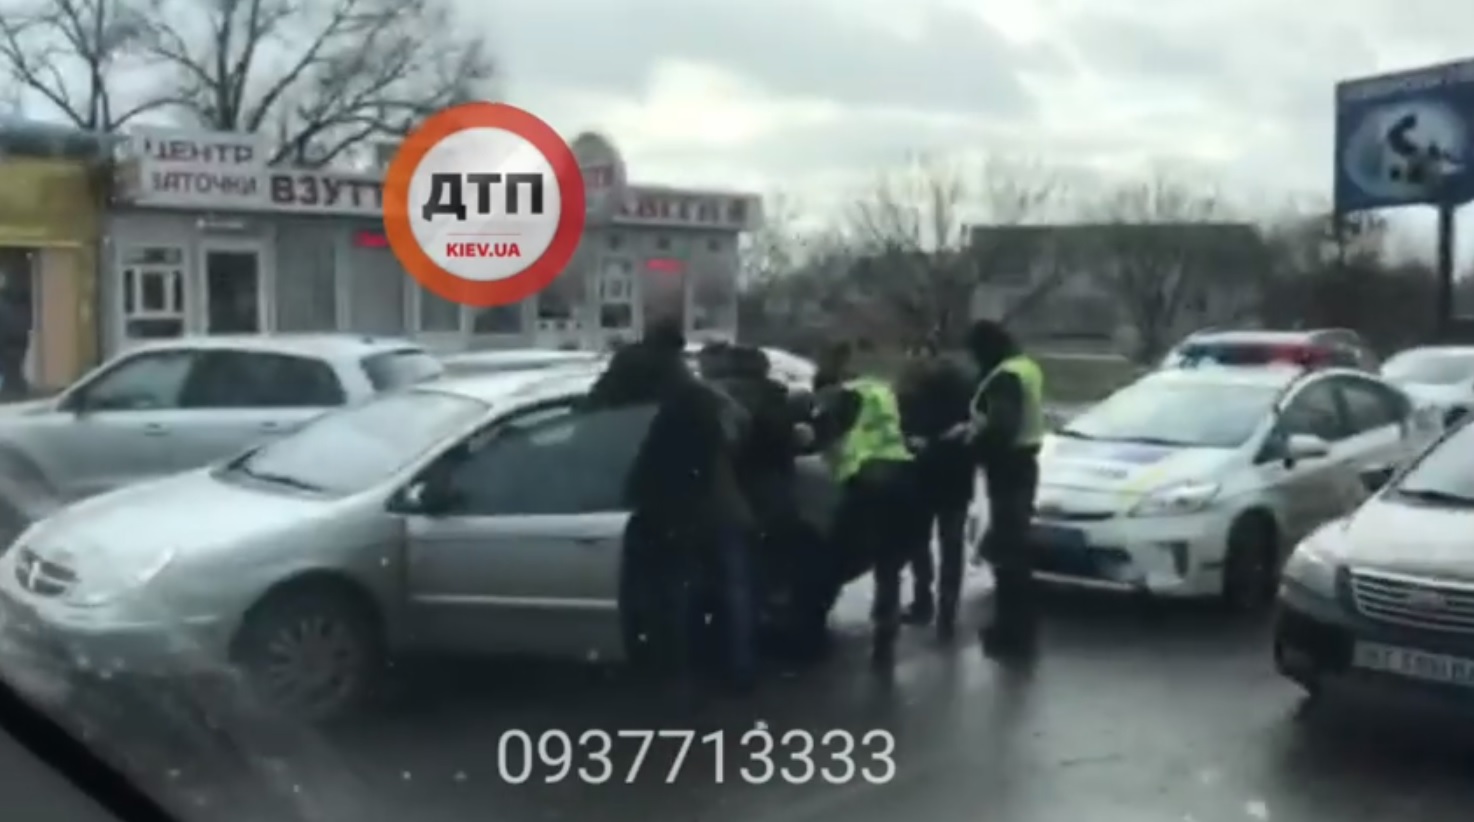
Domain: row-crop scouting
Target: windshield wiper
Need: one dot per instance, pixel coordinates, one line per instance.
(1153, 441)
(1073, 434)
(278, 479)
(1435, 496)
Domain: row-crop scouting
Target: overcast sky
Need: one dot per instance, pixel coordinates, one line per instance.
(814, 95)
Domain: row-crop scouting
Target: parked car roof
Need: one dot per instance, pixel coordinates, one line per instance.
(527, 386)
(322, 345)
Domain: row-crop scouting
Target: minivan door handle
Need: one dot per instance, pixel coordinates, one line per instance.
(155, 429)
(270, 426)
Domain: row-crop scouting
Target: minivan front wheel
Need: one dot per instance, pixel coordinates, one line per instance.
(314, 652)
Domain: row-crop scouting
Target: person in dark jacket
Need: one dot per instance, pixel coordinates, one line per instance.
(934, 396)
(858, 427)
(690, 521)
(1004, 435)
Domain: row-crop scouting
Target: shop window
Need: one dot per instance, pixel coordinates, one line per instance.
(713, 244)
(616, 316)
(306, 278)
(616, 295)
(377, 292)
(499, 319)
(153, 301)
(616, 242)
(437, 314)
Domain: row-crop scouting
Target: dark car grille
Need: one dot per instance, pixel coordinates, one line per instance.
(42, 577)
(1414, 602)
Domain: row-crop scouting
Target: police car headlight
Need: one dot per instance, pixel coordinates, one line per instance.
(1177, 498)
(1314, 562)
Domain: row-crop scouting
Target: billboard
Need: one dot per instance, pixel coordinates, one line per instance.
(1405, 138)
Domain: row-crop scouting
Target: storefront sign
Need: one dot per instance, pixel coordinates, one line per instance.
(689, 209)
(228, 172)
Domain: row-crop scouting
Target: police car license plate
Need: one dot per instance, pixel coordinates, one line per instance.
(1414, 664)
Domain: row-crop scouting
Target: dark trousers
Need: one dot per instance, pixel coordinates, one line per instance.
(13, 385)
(1012, 480)
(949, 517)
(877, 518)
(733, 582)
(672, 576)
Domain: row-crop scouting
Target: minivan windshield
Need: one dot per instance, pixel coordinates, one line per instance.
(1188, 413)
(352, 450)
(1431, 367)
(1446, 472)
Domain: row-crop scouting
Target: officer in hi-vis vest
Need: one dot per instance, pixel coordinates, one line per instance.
(1005, 432)
(858, 428)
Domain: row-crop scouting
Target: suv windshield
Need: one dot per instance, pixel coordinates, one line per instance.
(1446, 472)
(1429, 367)
(1206, 414)
(352, 450)
(397, 369)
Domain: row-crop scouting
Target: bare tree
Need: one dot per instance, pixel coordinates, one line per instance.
(1161, 246)
(322, 76)
(78, 56)
(921, 260)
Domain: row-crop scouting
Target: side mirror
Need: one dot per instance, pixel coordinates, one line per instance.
(425, 497)
(1375, 479)
(1305, 447)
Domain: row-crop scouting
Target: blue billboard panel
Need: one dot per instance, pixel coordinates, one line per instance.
(1405, 138)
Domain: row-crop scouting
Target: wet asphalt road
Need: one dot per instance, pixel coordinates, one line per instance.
(1147, 714)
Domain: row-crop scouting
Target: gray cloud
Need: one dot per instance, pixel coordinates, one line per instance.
(791, 47)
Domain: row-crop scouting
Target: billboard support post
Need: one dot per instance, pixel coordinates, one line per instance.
(1444, 304)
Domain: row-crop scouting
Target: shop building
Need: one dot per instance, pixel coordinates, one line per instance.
(50, 217)
(205, 237)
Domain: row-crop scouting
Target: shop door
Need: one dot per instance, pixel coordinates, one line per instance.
(234, 293)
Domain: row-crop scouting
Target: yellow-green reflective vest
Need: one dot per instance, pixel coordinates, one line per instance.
(1031, 377)
(876, 434)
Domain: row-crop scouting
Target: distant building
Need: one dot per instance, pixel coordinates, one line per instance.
(1066, 283)
(51, 206)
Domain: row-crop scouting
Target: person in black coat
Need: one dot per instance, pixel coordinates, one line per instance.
(689, 524)
(934, 396)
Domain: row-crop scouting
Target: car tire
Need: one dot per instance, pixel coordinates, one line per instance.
(315, 652)
(1251, 566)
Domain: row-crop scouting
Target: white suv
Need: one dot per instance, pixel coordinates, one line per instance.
(1195, 482)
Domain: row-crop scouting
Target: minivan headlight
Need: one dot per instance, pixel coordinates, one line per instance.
(1313, 565)
(95, 591)
(1178, 498)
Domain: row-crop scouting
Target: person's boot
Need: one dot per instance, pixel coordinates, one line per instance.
(921, 611)
(947, 622)
(883, 648)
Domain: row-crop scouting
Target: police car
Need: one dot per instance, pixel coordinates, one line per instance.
(1195, 481)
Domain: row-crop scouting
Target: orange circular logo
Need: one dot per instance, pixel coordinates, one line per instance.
(484, 204)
